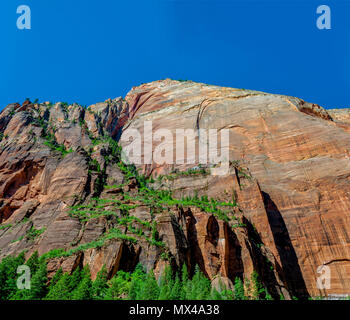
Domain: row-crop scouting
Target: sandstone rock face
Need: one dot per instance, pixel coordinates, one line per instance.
(62, 187)
(298, 154)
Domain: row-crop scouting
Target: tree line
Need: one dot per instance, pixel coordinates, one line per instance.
(136, 285)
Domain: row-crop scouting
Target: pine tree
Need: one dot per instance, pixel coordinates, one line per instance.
(38, 288)
(58, 275)
(176, 291)
(124, 285)
(84, 289)
(200, 285)
(119, 286)
(186, 283)
(222, 293)
(60, 290)
(33, 262)
(75, 279)
(239, 290)
(100, 285)
(137, 279)
(149, 288)
(215, 295)
(8, 276)
(258, 289)
(227, 294)
(166, 284)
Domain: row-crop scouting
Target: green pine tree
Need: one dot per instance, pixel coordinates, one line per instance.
(149, 288)
(216, 295)
(239, 290)
(84, 290)
(258, 288)
(33, 262)
(119, 286)
(186, 283)
(60, 290)
(166, 284)
(223, 293)
(176, 291)
(8, 276)
(137, 279)
(200, 286)
(75, 279)
(58, 275)
(100, 285)
(38, 288)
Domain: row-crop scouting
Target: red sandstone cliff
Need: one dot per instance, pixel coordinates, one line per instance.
(289, 175)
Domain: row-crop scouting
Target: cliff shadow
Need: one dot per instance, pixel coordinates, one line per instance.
(289, 261)
(233, 262)
(262, 264)
(195, 252)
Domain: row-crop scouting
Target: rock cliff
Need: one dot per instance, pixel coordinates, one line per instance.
(281, 210)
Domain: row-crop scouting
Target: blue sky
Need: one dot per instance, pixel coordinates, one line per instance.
(87, 51)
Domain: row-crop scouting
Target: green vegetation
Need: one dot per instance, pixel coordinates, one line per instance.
(18, 239)
(242, 173)
(5, 226)
(124, 226)
(156, 200)
(51, 142)
(8, 275)
(139, 284)
(190, 172)
(120, 208)
(33, 233)
(49, 136)
(3, 136)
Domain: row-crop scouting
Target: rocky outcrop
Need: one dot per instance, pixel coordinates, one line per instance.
(62, 186)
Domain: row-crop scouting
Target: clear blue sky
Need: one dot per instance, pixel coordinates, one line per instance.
(86, 51)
